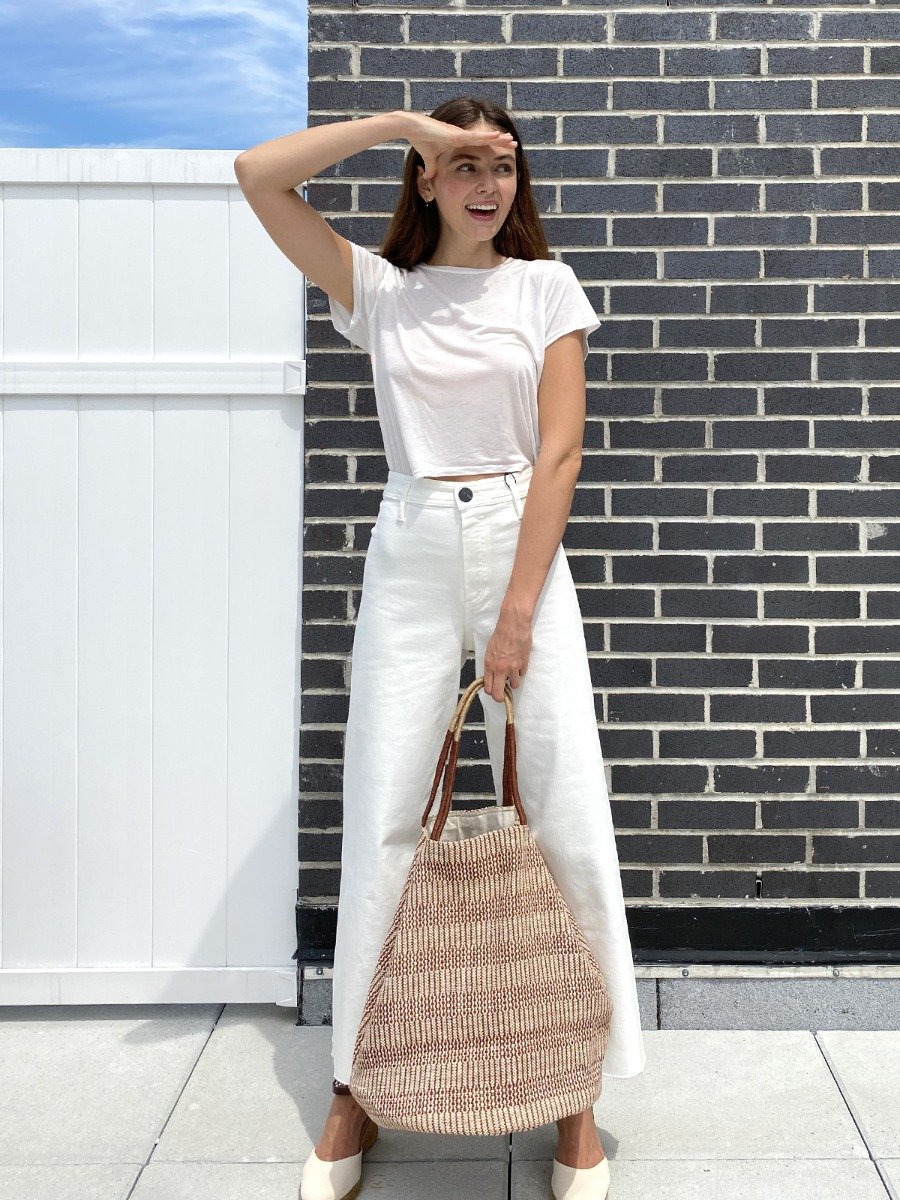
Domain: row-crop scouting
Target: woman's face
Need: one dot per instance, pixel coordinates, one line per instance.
(472, 175)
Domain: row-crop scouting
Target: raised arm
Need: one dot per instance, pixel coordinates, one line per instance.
(268, 174)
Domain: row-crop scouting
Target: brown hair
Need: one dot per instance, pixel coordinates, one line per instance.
(415, 227)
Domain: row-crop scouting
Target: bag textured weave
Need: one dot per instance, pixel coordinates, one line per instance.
(487, 1012)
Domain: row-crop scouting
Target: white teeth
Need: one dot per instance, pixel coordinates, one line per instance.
(482, 207)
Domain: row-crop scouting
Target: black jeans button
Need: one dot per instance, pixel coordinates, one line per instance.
(465, 493)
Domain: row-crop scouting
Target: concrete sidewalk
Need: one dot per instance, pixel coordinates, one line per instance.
(212, 1102)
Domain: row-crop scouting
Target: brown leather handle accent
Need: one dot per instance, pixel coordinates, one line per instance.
(447, 760)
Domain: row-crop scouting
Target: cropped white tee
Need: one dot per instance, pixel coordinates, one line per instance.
(457, 354)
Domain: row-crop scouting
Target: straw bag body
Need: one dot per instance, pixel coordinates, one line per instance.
(488, 1012)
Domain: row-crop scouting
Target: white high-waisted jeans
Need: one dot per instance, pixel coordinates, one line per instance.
(436, 569)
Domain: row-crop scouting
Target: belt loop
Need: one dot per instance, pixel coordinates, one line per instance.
(402, 516)
(517, 503)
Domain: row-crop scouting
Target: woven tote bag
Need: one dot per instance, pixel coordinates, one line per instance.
(487, 1012)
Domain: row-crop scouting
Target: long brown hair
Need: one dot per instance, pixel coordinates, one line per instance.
(415, 227)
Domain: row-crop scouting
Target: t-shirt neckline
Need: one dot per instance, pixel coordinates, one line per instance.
(476, 270)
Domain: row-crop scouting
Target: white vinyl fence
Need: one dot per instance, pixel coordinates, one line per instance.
(151, 455)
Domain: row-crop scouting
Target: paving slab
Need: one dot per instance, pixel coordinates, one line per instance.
(867, 1068)
(262, 1090)
(75, 1181)
(93, 1084)
(890, 1170)
(269, 1181)
(722, 1094)
(757, 1179)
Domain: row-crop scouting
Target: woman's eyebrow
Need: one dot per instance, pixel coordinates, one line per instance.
(474, 157)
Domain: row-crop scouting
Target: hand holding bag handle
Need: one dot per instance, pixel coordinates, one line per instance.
(450, 754)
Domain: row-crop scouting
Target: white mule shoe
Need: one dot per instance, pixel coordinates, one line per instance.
(580, 1183)
(340, 1179)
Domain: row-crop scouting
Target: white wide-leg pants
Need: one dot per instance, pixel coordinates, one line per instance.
(436, 569)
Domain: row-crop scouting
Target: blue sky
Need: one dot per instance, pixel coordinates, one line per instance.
(196, 74)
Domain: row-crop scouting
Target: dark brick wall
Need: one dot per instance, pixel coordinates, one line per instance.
(723, 181)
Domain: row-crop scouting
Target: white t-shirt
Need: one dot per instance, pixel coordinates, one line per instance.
(457, 354)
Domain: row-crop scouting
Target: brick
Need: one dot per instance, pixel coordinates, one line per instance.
(760, 569)
(811, 744)
(765, 161)
(871, 848)
(613, 130)
(852, 503)
(663, 163)
(865, 231)
(559, 28)
(763, 27)
(755, 231)
(857, 434)
(763, 94)
(763, 639)
(708, 401)
(699, 602)
(708, 673)
(712, 264)
(657, 706)
(659, 778)
(707, 814)
(658, 366)
(710, 128)
(763, 434)
(656, 434)
(708, 883)
(694, 334)
(655, 636)
(754, 709)
(813, 197)
(805, 605)
(805, 676)
(637, 501)
(819, 468)
(758, 298)
(774, 366)
(800, 331)
(860, 365)
(796, 535)
(862, 569)
(711, 468)
(711, 197)
(813, 264)
(611, 62)
(867, 26)
(660, 95)
(662, 27)
(857, 93)
(706, 62)
(756, 847)
(745, 502)
(814, 401)
(860, 160)
(816, 60)
(657, 299)
(814, 127)
(656, 567)
(856, 297)
(660, 231)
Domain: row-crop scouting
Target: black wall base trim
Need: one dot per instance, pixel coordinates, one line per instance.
(790, 935)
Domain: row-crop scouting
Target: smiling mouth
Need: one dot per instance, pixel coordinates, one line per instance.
(482, 211)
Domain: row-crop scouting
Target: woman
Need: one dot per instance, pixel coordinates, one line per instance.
(477, 339)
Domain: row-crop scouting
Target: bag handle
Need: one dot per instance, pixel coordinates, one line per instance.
(450, 754)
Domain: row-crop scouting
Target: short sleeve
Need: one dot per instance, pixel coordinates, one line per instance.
(369, 273)
(566, 307)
